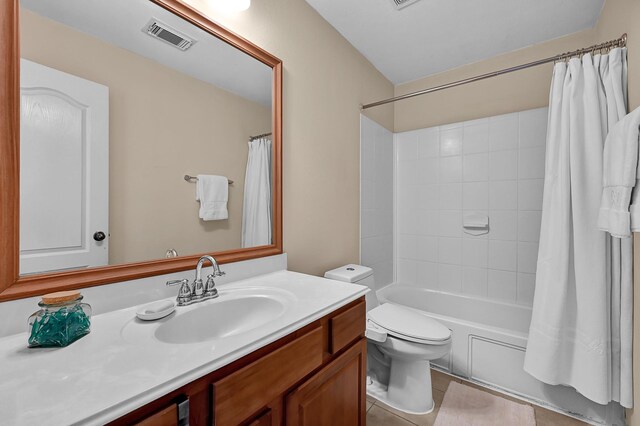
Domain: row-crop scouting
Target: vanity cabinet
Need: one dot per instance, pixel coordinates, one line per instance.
(313, 376)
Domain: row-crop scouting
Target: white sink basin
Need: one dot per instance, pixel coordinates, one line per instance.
(219, 320)
(234, 312)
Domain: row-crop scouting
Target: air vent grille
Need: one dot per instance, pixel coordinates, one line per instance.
(400, 4)
(163, 32)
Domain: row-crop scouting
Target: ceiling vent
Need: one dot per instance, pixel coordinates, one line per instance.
(401, 4)
(164, 32)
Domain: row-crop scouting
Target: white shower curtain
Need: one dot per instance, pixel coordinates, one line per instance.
(256, 211)
(580, 332)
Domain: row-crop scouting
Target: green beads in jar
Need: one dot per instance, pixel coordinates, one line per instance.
(61, 320)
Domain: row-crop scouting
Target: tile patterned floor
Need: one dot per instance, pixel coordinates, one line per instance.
(379, 414)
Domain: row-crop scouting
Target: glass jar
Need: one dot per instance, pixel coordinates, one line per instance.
(60, 321)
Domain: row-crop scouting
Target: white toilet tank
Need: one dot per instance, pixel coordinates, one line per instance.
(356, 274)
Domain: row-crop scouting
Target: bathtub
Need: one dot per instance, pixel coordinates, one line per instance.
(488, 346)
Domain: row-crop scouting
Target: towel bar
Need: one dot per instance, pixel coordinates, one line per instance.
(194, 178)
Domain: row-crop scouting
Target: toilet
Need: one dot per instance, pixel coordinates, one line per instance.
(401, 342)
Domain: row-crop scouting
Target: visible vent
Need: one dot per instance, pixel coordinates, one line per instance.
(400, 4)
(163, 32)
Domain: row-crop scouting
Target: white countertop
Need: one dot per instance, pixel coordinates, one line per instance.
(105, 375)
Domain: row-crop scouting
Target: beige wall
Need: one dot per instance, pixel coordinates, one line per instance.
(524, 90)
(517, 91)
(162, 125)
(325, 82)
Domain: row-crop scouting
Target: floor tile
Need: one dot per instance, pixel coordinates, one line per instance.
(420, 420)
(378, 416)
(546, 417)
(440, 381)
(369, 404)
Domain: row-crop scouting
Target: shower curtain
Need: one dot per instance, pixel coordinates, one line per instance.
(256, 211)
(580, 333)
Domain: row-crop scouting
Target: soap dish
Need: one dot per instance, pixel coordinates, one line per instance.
(156, 310)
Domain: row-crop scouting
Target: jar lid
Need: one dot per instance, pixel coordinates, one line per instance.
(60, 297)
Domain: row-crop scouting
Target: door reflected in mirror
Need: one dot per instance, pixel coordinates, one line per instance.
(120, 99)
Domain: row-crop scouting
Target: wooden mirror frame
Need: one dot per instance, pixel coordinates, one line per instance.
(14, 286)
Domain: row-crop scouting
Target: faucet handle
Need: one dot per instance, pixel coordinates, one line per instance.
(210, 290)
(176, 282)
(184, 294)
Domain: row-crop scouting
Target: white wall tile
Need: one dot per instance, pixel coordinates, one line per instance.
(428, 142)
(531, 163)
(474, 281)
(503, 165)
(475, 196)
(476, 137)
(407, 271)
(450, 223)
(407, 144)
(475, 252)
(503, 225)
(503, 195)
(533, 127)
(475, 167)
(494, 166)
(530, 194)
(450, 278)
(428, 198)
(450, 196)
(368, 222)
(427, 275)
(502, 285)
(428, 222)
(529, 225)
(451, 142)
(377, 197)
(408, 173)
(408, 246)
(450, 169)
(428, 248)
(502, 255)
(503, 132)
(527, 257)
(427, 170)
(367, 194)
(450, 250)
(526, 287)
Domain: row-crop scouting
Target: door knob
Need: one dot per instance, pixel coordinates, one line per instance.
(99, 236)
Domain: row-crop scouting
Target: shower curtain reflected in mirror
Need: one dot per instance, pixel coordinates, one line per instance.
(256, 213)
(580, 332)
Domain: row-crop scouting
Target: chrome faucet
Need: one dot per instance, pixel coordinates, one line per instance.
(198, 291)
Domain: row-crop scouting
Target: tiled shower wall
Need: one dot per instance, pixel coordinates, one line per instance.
(376, 203)
(493, 166)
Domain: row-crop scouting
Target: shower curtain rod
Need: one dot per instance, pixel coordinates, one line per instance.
(619, 42)
(253, 138)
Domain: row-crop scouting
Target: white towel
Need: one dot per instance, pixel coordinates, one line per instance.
(213, 193)
(618, 214)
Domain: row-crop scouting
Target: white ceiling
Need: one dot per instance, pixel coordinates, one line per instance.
(120, 22)
(431, 36)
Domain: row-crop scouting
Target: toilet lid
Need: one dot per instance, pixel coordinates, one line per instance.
(405, 322)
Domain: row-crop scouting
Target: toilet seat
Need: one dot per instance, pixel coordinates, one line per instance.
(405, 324)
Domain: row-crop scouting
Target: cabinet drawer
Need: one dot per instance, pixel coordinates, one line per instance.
(243, 393)
(347, 326)
(165, 417)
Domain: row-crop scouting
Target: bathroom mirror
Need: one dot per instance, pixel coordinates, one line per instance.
(113, 110)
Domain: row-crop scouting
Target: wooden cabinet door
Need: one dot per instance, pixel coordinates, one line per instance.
(334, 396)
(165, 417)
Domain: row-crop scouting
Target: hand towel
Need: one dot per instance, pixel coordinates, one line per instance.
(618, 214)
(213, 193)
